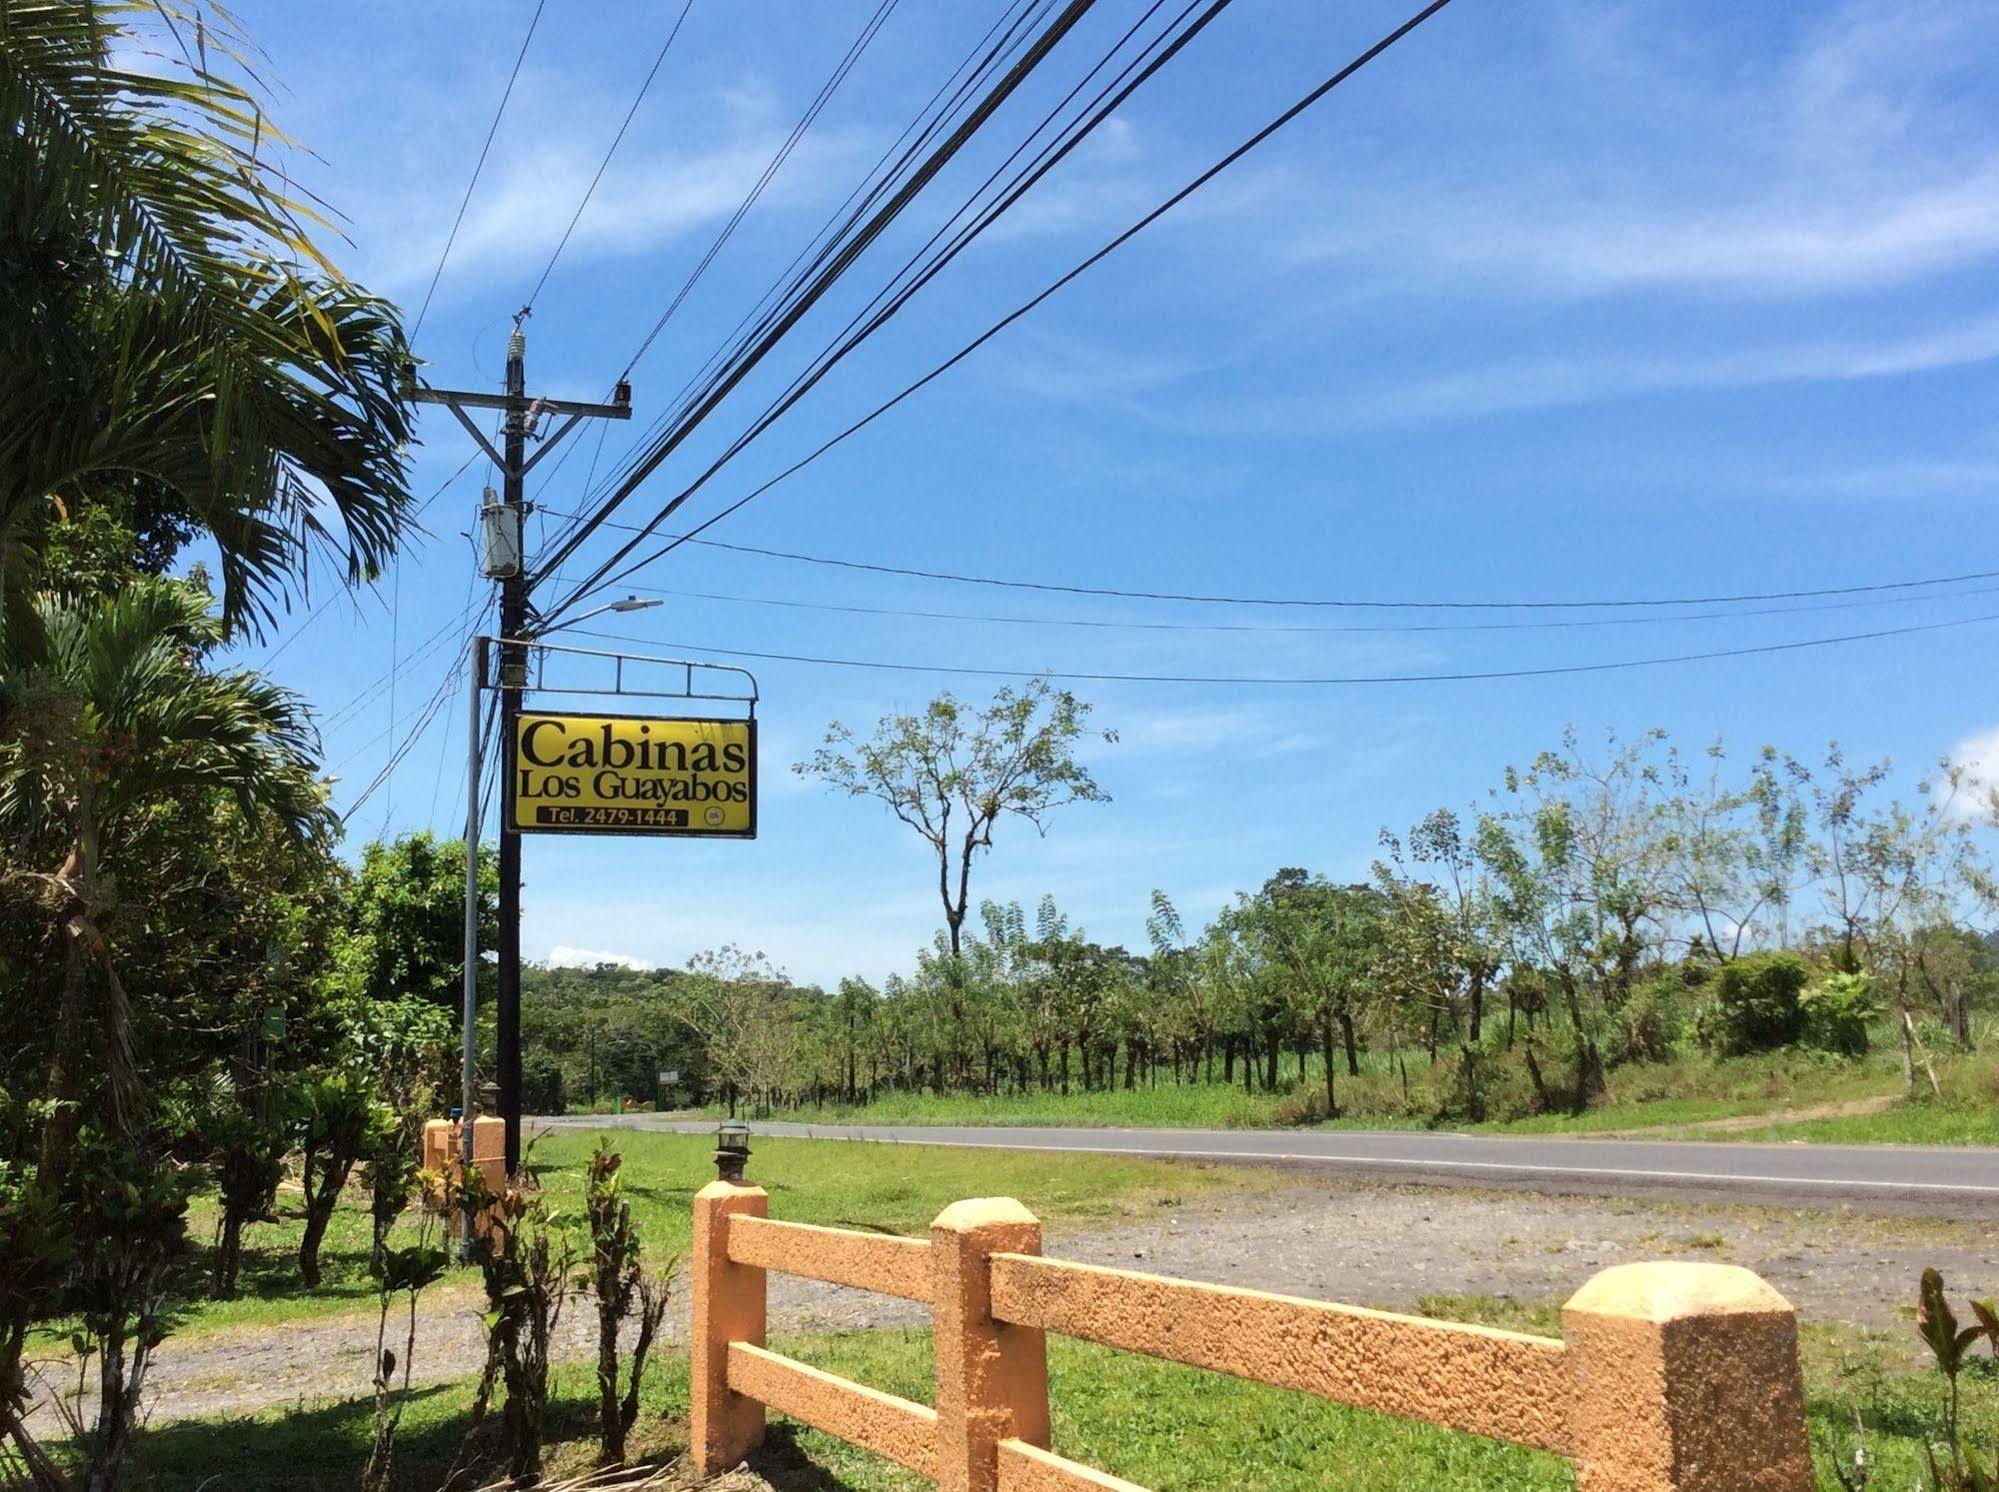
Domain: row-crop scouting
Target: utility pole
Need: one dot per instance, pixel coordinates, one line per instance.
(503, 533)
(513, 678)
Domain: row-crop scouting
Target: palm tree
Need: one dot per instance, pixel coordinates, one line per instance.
(166, 318)
(107, 709)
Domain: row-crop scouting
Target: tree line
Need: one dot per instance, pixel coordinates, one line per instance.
(1612, 901)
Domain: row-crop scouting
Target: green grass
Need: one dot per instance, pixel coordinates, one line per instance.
(1174, 1428)
(1920, 1123)
(895, 1187)
(1186, 1106)
(1689, 1090)
(1158, 1424)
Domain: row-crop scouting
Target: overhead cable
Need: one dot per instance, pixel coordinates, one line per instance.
(477, 166)
(645, 86)
(1031, 304)
(1079, 676)
(314, 615)
(836, 266)
(1313, 629)
(976, 218)
(1348, 602)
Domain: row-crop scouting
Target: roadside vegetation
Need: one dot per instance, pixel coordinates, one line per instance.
(1772, 1096)
(1625, 935)
(899, 1188)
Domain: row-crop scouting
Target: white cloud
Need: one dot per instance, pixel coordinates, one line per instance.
(1850, 163)
(520, 214)
(1978, 754)
(562, 956)
(1070, 370)
(1542, 383)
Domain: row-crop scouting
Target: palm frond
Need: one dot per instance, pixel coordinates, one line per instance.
(165, 309)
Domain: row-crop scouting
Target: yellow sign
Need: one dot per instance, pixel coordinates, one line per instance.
(625, 774)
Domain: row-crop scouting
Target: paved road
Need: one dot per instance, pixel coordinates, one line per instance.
(1866, 1178)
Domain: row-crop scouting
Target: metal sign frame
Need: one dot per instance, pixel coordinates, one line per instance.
(620, 690)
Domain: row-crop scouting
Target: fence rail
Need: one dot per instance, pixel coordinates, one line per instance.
(881, 1262)
(1440, 1371)
(1668, 1377)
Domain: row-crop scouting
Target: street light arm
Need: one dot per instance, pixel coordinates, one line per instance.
(630, 603)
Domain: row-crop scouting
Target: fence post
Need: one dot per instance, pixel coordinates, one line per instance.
(728, 1307)
(992, 1378)
(1686, 1380)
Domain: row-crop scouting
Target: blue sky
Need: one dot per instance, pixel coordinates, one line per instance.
(1554, 301)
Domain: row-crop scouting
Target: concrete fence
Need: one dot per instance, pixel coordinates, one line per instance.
(1667, 1377)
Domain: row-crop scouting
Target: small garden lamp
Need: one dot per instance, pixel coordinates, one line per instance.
(732, 1150)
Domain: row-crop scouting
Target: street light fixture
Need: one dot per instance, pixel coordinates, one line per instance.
(630, 603)
(732, 1150)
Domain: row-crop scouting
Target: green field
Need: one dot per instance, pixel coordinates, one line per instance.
(897, 1187)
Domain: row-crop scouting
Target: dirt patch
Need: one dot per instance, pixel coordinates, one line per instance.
(1852, 1108)
(1367, 1245)
(1389, 1247)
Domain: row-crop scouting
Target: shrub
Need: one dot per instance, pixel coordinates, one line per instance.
(1653, 1020)
(1837, 1011)
(1756, 1006)
(622, 1284)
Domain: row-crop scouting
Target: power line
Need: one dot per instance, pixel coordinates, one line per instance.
(750, 198)
(444, 748)
(678, 409)
(644, 87)
(873, 174)
(910, 279)
(478, 166)
(1290, 629)
(371, 692)
(1076, 676)
(821, 281)
(1312, 601)
(1026, 307)
(416, 731)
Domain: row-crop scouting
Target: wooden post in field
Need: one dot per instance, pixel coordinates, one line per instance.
(728, 1307)
(1686, 1380)
(992, 1379)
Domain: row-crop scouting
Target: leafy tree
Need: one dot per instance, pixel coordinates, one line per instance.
(404, 1049)
(1837, 1010)
(1757, 1001)
(408, 917)
(853, 1012)
(1470, 941)
(1188, 1001)
(1892, 874)
(745, 1011)
(249, 1165)
(953, 772)
(109, 712)
(1322, 941)
(1732, 854)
